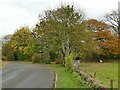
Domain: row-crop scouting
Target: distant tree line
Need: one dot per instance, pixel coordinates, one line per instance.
(64, 32)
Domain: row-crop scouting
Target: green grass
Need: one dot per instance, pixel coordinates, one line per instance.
(26, 62)
(104, 72)
(68, 79)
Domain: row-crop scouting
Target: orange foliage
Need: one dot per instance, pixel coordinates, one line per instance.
(108, 42)
(96, 25)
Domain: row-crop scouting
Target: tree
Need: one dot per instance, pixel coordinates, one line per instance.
(113, 19)
(5, 39)
(62, 31)
(23, 43)
(7, 52)
(108, 43)
(96, 26)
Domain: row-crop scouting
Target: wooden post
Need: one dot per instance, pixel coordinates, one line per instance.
(111, 84)
(94, 75)
(85, 70)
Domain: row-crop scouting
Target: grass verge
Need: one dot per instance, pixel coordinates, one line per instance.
(2, 64)
(26, 62)
(68, 79)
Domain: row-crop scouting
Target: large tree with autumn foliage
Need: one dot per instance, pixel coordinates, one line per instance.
(106, 41)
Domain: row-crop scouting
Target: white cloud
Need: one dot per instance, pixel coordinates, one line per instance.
(13, 17)
(97, 8)
(17, 13)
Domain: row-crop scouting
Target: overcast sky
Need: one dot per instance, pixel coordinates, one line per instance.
(17, 13)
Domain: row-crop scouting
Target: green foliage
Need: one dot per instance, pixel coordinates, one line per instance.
(23, 43)
(58, 33)
(7, 52)
(61, 30)
(19, 46)
(54, 56)
(69, 60)
(58, 59)
(21, 56)
(36, 58)
(66, 79)
(75, 74)
(46, 58)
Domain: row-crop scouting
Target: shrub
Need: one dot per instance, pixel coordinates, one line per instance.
(69, 60)
(21, 56)
(58, 61)
(75, 74)
(36, 58)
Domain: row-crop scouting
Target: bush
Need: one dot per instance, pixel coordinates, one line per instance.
(58, 61)
(75, 74)
(21, 56)
(36, 58)
(69, 60)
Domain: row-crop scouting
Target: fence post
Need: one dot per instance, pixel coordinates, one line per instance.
(94, 75)
(85, 70)
(111, 84)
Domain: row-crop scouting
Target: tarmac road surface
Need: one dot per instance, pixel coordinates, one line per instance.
(19, 75)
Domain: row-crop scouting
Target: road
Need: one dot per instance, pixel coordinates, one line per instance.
(18, 75)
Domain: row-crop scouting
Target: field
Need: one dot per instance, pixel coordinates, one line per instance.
(104, 72)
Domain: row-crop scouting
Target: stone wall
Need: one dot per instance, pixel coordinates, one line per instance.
(91, 81)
